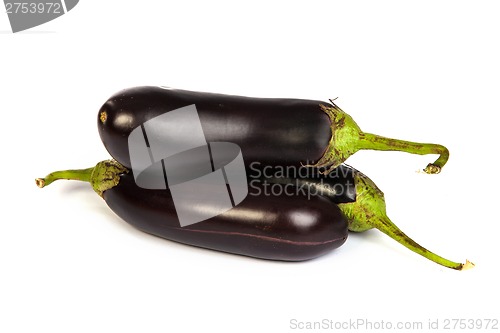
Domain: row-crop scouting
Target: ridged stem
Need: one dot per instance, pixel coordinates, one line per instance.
(385, 225)
(103, 176)
(347, 138)
(376, 142)
(78, 174)
(369, 211)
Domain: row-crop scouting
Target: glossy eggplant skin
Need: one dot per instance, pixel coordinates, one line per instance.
(288, 228)
(270, 131)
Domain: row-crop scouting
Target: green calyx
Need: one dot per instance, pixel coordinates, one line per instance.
(102, 177)
(347, 138)
(369, 211)
(369, 205)
(343, 143)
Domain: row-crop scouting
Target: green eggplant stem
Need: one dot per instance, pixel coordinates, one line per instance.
(103, 176)
(387, 227)
(369, 211)
(347, 138)
(376, 142)
(81, 175)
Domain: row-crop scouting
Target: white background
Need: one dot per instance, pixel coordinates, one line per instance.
(417, 70)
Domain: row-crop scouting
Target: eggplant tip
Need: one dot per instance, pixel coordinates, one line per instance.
(467, 265)
(432, 169)
(40, 182)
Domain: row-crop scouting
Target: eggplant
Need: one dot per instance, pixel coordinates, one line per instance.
(304, 223)
(276, 227)
(269, 131)
(359, 199)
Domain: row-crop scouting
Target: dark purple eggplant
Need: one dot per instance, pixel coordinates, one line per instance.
(359, 199)
(278, 227)
(270, 131)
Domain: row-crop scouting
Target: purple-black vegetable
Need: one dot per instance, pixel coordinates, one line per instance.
(278, 227)
(270, 131)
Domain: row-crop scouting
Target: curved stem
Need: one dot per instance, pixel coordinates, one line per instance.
(103, 176)
(385, 225)
(369, 211)
(376, 142)
(347, 138)
(81, 175)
